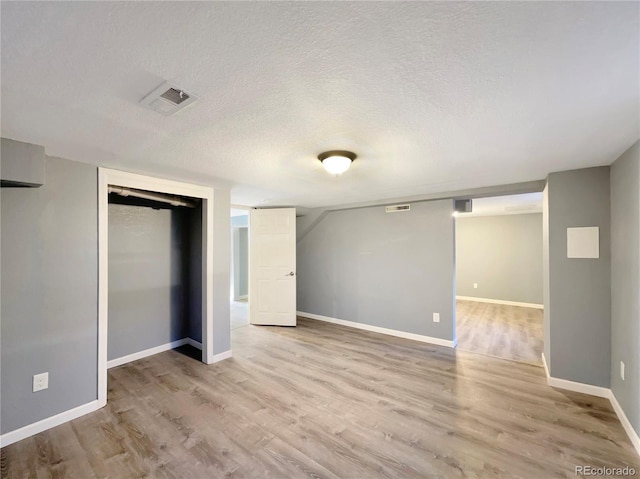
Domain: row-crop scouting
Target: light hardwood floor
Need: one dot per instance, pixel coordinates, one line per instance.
(503, 331)
(322, 400)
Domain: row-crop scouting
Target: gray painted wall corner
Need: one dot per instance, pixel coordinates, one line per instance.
(49, 289)
(221, 271)
(391, 270)
(502, 254)
(150, 264)
(195, 275)
(22, 163)
(625, 282)
(545, 276)
(579, 289)
(240, 265)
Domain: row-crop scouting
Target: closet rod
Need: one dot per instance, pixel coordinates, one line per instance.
(148, 195)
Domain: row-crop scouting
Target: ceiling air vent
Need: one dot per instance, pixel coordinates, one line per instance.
(168, 99)
(396, 208)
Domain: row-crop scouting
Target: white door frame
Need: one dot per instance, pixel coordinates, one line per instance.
(108, 177)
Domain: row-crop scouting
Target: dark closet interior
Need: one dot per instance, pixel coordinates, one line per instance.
(155, 270)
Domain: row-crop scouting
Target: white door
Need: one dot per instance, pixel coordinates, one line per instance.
(272, 267)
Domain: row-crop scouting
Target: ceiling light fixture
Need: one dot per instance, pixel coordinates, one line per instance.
(336, 162)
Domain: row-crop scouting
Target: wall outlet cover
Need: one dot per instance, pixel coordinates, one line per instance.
(436, 317)
(40, 382)
(622, 370)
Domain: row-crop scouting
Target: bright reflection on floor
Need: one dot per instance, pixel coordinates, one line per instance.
(239, 313)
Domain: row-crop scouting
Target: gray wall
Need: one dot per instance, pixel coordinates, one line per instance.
(221, 272)
(391, 270)
(625, 282)
(149, 288)
(580, 289)
(240, 262)
(160, 301)
(49, 293)
(240, 251)
(503, 254)
(194, 307)
(546, 292)
(22, 163)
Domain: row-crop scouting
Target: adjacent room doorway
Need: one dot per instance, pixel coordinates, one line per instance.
(239, 287)
(499, 309)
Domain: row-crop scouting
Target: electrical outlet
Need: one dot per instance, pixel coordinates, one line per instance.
(436, 317)
(40, 382)
(475, 285)
(622, 370)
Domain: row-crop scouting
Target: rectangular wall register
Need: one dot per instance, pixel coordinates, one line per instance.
(583, 242)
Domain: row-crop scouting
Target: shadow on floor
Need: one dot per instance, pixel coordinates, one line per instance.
(190, 351)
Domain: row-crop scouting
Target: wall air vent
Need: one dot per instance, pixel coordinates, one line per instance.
(463, 206)
(396, 208)
(168, 99)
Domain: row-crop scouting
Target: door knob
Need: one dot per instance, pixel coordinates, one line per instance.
(290, 274)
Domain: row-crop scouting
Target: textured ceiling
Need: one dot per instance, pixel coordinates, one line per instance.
(431, 96)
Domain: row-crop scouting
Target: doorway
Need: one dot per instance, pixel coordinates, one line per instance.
(239, 287)
(499, 309)
(112, 178)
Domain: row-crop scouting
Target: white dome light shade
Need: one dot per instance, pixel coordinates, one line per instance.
(336, 162)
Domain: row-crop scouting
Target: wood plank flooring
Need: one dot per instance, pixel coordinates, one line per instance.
(326, 401)
(503, 331)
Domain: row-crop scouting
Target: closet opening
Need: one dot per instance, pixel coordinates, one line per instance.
(155, 273)
(155, 270)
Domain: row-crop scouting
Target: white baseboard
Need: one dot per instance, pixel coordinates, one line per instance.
(222, 356)
(500, 301)
(573, 385)
(377, 329)
(599, 392)
(48, 423)
(66, 416)
(546, 367)
(194, 343)
(626, 424)
(151, 351)
(583, 388)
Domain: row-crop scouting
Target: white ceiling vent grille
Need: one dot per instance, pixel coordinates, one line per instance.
(168, 99)
(397, 208)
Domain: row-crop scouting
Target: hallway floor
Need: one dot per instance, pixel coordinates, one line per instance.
(239, 313)
(502, 331)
